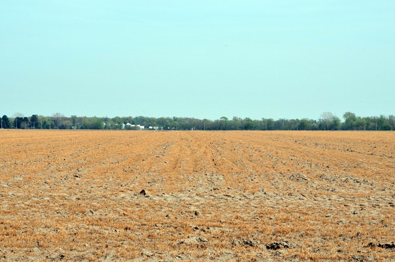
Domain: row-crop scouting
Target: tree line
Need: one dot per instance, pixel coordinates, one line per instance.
(328, 121)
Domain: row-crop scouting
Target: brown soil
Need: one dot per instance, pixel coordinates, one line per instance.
(231, 196)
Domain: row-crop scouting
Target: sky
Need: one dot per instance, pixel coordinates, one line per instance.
(275, 59)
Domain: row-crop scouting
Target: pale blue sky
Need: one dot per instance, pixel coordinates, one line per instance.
(203, 59)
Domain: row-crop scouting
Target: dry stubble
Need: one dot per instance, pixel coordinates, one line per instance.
(74, 195)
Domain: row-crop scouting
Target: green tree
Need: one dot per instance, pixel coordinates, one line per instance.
(18, 122)
(329, 121)
(349, 119)
(223, 123)
(74, 119)
(92, 123)
(270, 124)
(25, 123)
(391, 121)
(383, 123)
(46, 123)
(21, 122)
(117, 122)
(66, 124)
(360, 124)
(248, 124)
(5, 122)
(291, 124)
(57, 119)
(235, 123)
(386, 127)
(283, 124)
(34, 123)
(336, 123)
(304, 124)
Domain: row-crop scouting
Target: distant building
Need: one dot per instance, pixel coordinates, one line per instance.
(129, 126)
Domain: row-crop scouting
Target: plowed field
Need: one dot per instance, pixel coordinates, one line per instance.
(195, 196)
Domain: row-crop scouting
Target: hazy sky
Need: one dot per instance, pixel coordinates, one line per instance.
(203, 59)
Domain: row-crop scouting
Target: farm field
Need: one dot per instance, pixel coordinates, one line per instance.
(197, 196)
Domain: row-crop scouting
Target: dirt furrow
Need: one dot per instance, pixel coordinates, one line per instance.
(195, 196)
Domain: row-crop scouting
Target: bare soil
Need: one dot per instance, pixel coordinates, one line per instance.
(197, 196)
